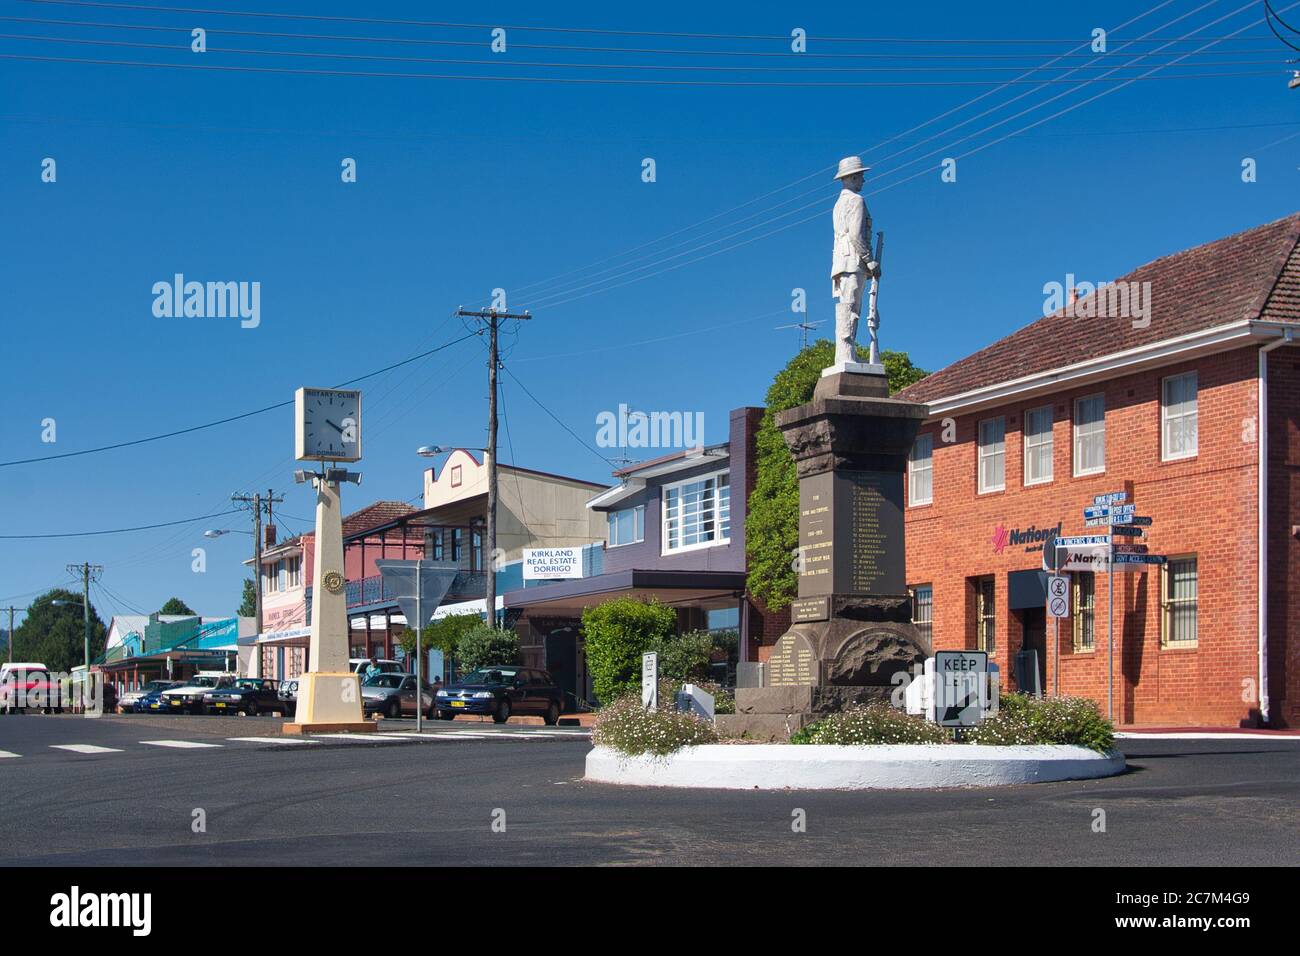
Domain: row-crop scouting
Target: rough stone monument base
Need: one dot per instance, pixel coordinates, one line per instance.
(774, 713)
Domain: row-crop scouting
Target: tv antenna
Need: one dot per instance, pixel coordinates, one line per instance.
(805, 328)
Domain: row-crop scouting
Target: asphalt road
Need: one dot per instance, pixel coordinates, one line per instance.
(434, 801)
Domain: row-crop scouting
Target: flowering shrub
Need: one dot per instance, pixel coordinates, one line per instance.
(872, 724)
(1022, 719)
(628, 728)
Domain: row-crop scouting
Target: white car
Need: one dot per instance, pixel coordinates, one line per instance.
(288, 692)
(188, 698)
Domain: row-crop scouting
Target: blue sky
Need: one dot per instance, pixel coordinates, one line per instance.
(468, 185)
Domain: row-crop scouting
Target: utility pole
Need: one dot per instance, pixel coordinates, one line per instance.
(88, 573)
(257, 503)
(493, 319)
(11, 609)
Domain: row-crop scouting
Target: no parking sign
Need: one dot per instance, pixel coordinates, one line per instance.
(1058, 595)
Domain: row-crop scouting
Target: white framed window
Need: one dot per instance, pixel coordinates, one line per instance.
(920, 471)
(985, 615)
(992, 454)
(1178, 602)
(1038, 445)
(1090, 435)
(1178, 417)
(923, 609)
(627, 526)
(697, 513)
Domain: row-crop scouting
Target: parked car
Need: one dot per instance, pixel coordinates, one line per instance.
(502, 691)
(152, 702)
(393, 695)
(288, 694)
(247, 695)
(126, 702)
(188, 697)
(21, 684)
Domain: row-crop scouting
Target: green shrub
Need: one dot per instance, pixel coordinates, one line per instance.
(628, 728)
(617, 633)
(872, 724)
(485, 646)
(684, 658)
(1022, 719)
(443, 634)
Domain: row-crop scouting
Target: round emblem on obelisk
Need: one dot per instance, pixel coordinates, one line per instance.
(333, 582)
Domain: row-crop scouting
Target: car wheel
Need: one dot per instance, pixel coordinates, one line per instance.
(552, 714)
(251, 709)
(446, 715)
(502, 713)
(394, 710)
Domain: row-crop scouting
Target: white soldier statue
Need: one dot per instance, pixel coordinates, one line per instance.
(852, 264)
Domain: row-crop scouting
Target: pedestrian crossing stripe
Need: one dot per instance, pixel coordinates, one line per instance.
(6, 753)
(178, 744)
(271, 740)
(85, 748)
(363, 736)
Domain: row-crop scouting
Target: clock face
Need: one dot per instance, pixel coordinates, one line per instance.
(329, 424)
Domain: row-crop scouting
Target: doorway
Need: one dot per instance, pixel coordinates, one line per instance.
(1033, 637)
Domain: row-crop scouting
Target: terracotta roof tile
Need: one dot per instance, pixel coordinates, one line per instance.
(1250, 275)
(371, 516)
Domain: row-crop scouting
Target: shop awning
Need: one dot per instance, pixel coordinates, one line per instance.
(695, 588)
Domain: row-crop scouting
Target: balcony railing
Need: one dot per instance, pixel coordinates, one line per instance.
(468, 586)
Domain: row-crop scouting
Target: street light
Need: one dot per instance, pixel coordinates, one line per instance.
(218, 532)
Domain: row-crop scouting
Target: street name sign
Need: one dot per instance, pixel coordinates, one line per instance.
(1128, 531)
(1130, 549)
(959, 682)
(1139, 559)
(1083, 541)
(1114, 498)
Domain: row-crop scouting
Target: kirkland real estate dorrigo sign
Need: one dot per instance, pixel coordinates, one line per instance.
(552, 564)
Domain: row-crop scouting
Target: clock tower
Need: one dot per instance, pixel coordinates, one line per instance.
(328, 430)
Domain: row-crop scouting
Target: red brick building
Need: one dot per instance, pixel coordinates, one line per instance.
(1190, 405)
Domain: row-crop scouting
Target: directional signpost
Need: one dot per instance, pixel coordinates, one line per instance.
(959, 681)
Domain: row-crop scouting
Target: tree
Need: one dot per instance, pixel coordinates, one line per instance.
(684, 658)
(772, 526)
(176, 606)
(617, 633)
(485, 646)
(248, 601)
(443, 634)
(53, 635)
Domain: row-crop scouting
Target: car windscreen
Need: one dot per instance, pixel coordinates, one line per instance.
(247, 683)
(490, 675)
(383, 680)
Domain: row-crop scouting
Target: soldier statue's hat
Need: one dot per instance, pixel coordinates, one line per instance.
(850, 165)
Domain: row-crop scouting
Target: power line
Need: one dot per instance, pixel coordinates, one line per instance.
(581, 80)
(571, 48)
(541, 64)
(444, 24)
(224, 421)
(538, 402)
(87, 534)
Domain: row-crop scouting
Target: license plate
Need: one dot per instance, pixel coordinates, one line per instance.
(458, 703)
(176, 703)
(219, 706)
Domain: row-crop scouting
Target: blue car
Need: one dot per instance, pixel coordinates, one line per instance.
(501, 691)
(152, 702)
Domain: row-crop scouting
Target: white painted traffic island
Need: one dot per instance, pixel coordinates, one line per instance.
(833, 767)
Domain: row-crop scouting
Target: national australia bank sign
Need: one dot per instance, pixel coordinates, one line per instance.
(1031, 539)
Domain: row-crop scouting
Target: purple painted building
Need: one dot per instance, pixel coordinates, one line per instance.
(675, 534)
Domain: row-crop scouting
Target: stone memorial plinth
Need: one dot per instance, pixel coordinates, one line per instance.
(851, 629)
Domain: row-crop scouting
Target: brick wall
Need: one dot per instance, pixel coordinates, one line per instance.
(1204, 506)
(1284, 545)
